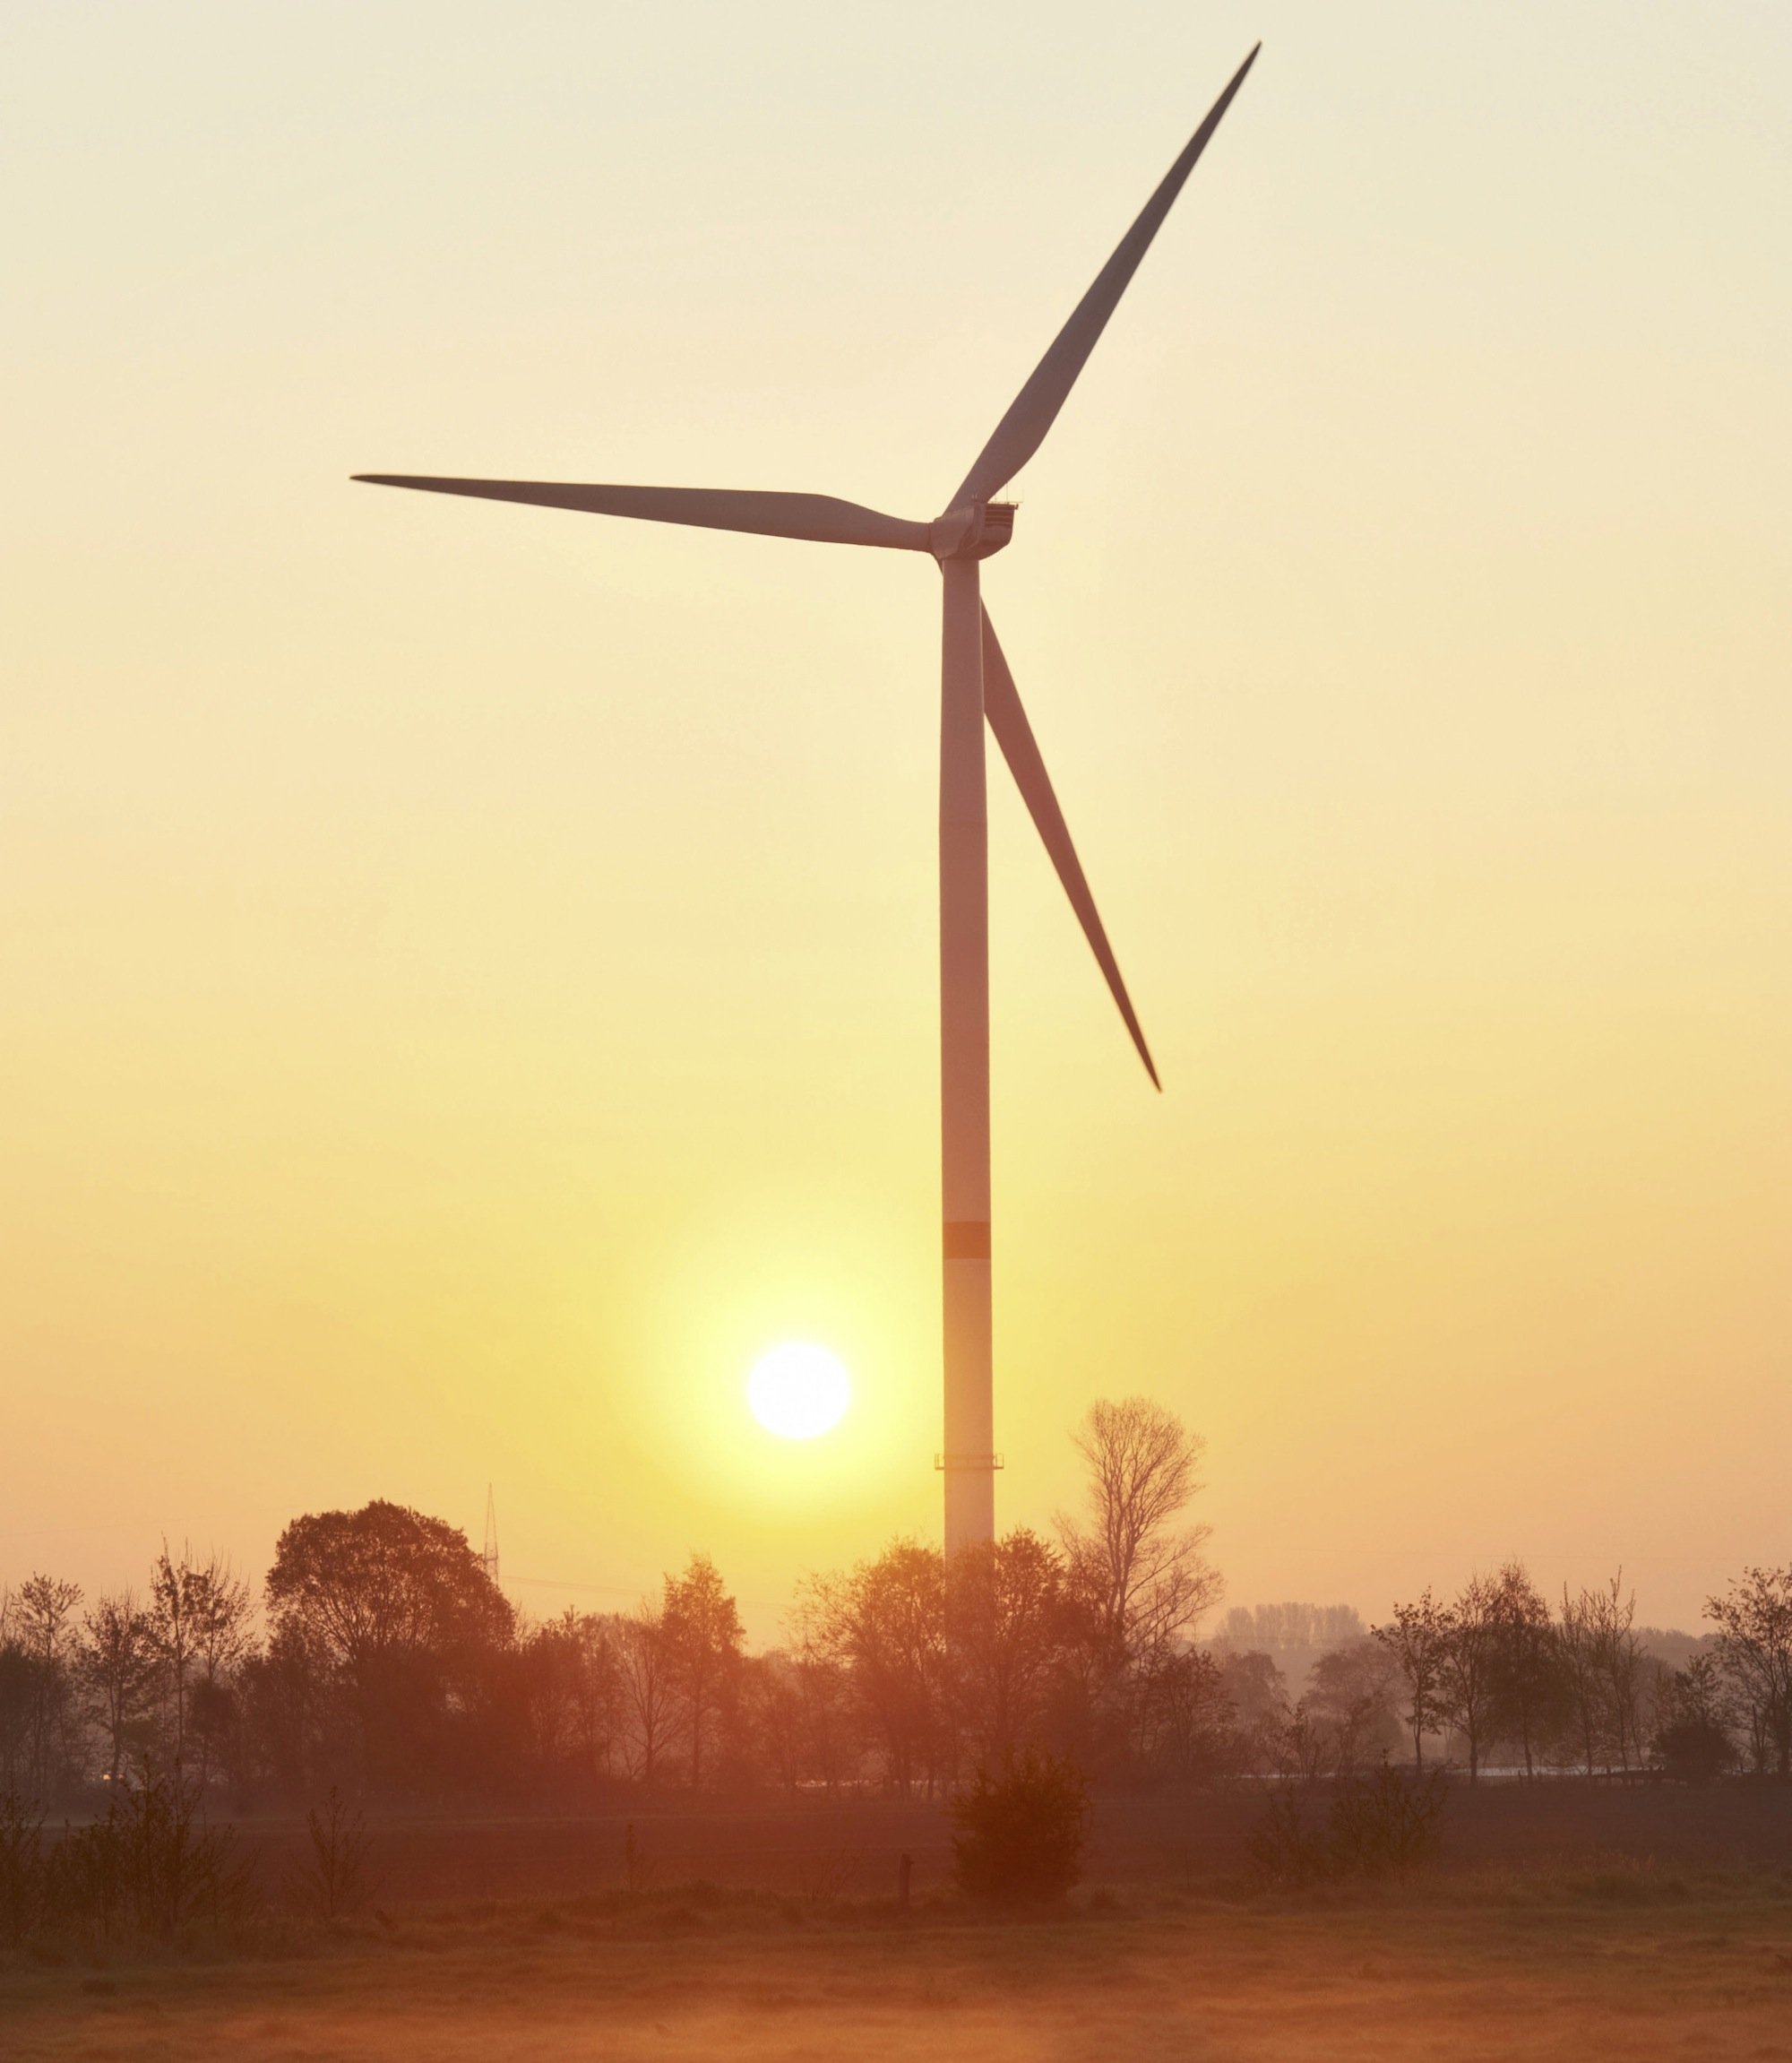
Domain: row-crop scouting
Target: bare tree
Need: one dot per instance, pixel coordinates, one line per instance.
(820, 1705)
(646, 1685)
(117, 1670)
(595, 1686)
(200, 1618)
(1469, 1679)
(1150, 1581)
(1580, 1646)
(1626, 1666)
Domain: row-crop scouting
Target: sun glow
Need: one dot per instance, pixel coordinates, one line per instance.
(798, 1391)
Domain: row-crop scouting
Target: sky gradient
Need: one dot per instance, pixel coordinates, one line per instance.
(470, 971)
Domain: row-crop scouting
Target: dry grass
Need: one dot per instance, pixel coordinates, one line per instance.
(1620, 1964)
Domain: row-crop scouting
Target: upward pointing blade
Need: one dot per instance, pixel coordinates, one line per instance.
(817, 517)
(1014, 735)
(1034, 409)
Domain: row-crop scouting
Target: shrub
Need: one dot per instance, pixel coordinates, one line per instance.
(1389, 1821)
(152, 1867)
(332, 1882)
(1287, 1846)
(21, 1868)
(1695, 1750)
(1019, 1833)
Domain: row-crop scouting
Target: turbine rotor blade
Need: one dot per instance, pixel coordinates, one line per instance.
(1008, 719)
(1034, 409)
(820, 518)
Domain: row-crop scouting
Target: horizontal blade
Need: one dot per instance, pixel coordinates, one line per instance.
(1014, 735)
(817, 517)
(1034, 409)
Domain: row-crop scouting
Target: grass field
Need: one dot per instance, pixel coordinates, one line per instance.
(1627, 1965)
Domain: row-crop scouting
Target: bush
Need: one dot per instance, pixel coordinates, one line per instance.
(1377, 1825)
(1020, 1834)
(1392, 1820)
(22, 1868)
(1288, 1845)
(1695, 1750)
(149, 1869)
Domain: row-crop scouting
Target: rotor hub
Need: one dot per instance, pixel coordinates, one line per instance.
(977, 531)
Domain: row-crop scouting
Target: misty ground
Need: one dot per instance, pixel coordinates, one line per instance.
(1628, 1962)
(1567, 1918)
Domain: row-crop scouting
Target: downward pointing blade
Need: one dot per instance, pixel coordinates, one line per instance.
(819, 518)
(1034, 409)
(1014, 735)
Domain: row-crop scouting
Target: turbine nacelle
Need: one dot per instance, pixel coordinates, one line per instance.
(978, 529)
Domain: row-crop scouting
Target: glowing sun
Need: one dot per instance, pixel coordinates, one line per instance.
(798, 1391)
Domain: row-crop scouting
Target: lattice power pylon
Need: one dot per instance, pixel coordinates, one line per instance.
(489, 1557)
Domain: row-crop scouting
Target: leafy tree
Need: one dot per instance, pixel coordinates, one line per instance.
(1753, 1618)
(1527, 1686)
(43, 1619)
(884, 1624)
(1418, 1638)
(1280, 1628)
(1190, 1723)
(702, 1641)
(1694, 1741)
(1352, 1695)
(571, 1680)
(1010, 1624)
(397, 1613)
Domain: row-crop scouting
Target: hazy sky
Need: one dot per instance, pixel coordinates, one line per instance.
(469, 972)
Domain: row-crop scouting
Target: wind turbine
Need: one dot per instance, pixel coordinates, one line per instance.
(976, 687)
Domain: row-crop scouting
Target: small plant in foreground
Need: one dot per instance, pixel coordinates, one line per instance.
(1019, 1833)
(332, 1882)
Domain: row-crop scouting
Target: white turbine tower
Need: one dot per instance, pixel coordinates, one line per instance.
(976, 687)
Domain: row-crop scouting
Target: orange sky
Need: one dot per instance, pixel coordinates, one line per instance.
(470, 974)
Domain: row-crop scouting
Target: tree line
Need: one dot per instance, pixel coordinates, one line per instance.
(1502, 1674)
(383, 1659)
